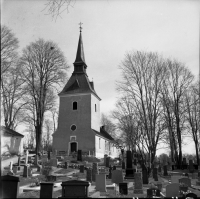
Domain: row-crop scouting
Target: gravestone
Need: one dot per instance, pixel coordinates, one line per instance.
(191, 167)
(173, 166)
(165, 170)
(46, 189)
(186, 181)
(101, 182)
(49, 155)
(117, 176)
(123, 165)
(15, 169)
(107, 161)
(145, 178)
(89, 175)
(123, 188)
(129, 166)
(10, 171)
(114, 168)
(75, 189)
(25, 173)
(198, 180)
(79, 156)
(9, 186)
(66, 165)
(81, 168)
(95, 171)
(105, 156)
(138, 186)
(155, 174)
(110, 172)
(172, 190)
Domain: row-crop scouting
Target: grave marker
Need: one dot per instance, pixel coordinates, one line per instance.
(138, 186)
(79, 155)
(107, 161)
(129, 166)
(81, 168)
(89, 175)
(101, 182)
(9, 186)
(105, 156)
(95, 171)
(117, 176)
(165, 170)
(186, 181)
(75, 189)
(155, 174)
(46, 189)
(145, 178)
(172, 190)
(191, 167)
(123, 188)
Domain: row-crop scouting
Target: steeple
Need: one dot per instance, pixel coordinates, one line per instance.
(79, 64)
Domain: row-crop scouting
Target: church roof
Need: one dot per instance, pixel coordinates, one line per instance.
(104, 134)
(79, 82)
(80, 57)
(9, 132)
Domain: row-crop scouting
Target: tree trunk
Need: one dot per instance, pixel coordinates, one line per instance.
(197, 152)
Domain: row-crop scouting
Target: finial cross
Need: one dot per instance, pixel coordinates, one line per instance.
(80, 26)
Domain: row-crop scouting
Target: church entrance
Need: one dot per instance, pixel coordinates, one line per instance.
(73, 147)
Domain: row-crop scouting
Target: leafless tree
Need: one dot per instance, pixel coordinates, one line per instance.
(109, 125)
(43, 68)
(178, 79)
(56, 7)
(142, 75)
(192, 98)
(9, 46)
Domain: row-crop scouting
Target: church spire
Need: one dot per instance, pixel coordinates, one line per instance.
(80, 57)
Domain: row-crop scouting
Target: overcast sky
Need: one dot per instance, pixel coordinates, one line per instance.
(110, 29)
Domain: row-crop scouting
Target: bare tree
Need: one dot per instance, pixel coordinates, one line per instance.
(142, 75)
(109, 125)
(177, 82)
(9, 46)
(43, 67)
(192, 98)
(56, 7)
(12, 94)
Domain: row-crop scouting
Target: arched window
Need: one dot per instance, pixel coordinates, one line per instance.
(74, 105)
(95, 108)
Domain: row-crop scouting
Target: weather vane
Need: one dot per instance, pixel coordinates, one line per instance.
(80, 26)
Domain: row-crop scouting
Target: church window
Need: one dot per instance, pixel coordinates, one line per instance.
(74, 105)
(73, 127)
(95, 108)
(99, 142)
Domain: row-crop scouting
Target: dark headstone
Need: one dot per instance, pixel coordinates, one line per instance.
(155, 174)
(46, 189)
(25, 173)
(135, 162)
(66, 165)
(95, 171)
(81, 168)
(75, 189)
(123, 188)
(165, 170)
(19, 160)
(89, 175)
(191, 167)
(79, 155)
(107, 161)
(49, 155)
(114, 167)
(110, 173)
(129, 160)
(123, 165)
(145, 176)
(9, 186)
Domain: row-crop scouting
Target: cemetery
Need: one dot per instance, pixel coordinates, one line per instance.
(67, 177)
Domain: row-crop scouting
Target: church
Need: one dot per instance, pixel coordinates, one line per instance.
(79, 126)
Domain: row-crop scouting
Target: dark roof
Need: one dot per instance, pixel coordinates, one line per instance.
(9, 132)
(79, 83)
(104, 134)
(80, 57)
